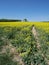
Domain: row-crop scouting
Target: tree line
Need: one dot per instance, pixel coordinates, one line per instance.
(12, 20)
(9, 20)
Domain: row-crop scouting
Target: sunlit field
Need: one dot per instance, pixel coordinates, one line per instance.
(17, 41)
(43, 25)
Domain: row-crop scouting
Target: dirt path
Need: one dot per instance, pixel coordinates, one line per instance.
(35, 33)
(16, 56)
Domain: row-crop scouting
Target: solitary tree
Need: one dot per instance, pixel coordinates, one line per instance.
(25, 20)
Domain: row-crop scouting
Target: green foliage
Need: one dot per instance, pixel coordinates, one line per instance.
(5, 59)
(25, 43)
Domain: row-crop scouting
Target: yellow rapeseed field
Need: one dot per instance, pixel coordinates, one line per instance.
(43, 25)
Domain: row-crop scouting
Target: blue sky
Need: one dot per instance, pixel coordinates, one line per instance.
(33, 10)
